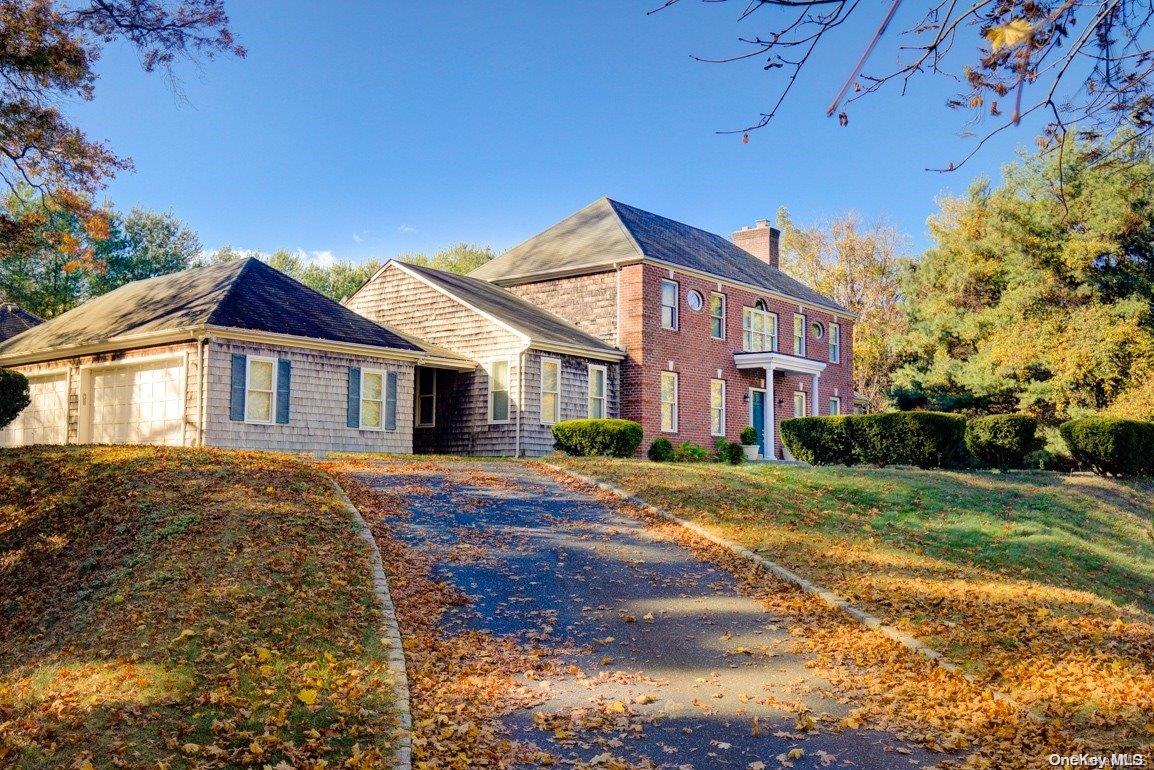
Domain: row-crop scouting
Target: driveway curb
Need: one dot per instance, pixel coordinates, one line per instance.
(390, 632)
(829, 597)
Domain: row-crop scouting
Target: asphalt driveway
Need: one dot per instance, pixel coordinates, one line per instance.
(664, 662)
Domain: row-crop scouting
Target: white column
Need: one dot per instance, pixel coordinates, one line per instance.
(768, 429)
(814, 409)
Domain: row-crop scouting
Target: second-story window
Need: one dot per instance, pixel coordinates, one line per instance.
(717, 315)
(668, 304)
(758, 329)
(835, 343)
(799, 334)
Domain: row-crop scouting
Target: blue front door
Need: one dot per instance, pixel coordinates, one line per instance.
(757, 416)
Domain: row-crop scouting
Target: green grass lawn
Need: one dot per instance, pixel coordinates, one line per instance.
(1039, 583)
(184, 608)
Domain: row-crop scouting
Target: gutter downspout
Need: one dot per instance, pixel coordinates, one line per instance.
(202, 375)
(520, 396)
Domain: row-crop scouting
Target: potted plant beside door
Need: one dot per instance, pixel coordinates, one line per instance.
(749, 443)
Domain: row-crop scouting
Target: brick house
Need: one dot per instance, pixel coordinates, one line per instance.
(612, 312)
(704, 322)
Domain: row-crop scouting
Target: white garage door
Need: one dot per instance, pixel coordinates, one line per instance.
(45, 420)
(137, 404)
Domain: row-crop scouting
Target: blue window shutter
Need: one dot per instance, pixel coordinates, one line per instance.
(236, 390)
(391, 401)
(354, 397)
(284, 369)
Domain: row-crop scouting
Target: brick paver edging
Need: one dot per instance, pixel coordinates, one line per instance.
(390, 633)
(829, 597)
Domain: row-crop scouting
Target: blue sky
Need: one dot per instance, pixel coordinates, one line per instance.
(364, 129)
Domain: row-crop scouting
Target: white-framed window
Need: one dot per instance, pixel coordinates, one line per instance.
(799, 403)
(426, 398)
(695, 301)
(372, 399)
(597, 391)
(550, 391)
(717, 407)
(717, 315)
(834, 405)
(799, 334)
(669, 402)
(499, 391)
(758, 329)
(260, 390)
(669, 291)
(835, 343)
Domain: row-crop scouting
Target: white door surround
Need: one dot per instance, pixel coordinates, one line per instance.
(779, 362)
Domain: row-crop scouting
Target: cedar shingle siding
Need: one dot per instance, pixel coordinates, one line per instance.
(396, 298)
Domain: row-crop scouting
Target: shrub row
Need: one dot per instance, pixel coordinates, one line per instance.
(593, 437)
(1110, 445)
(924, 439)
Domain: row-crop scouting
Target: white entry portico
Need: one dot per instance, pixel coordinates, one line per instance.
(779, 362)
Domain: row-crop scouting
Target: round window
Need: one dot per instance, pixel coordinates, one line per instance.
(818, 330)
(695, 300)
(760, 305)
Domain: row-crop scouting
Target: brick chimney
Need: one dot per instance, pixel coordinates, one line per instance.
(761, 240)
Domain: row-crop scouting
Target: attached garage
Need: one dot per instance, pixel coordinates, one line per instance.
(45, 420)
(133, 403)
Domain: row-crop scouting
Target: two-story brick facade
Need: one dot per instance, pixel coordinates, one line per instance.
(704, 322)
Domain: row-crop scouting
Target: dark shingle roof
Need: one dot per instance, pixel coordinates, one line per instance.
(538, 325)
(243, 294)
(16, 320)
(606, 231)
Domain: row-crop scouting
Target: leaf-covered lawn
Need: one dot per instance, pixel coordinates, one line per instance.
(184, 608)
(1040, 585)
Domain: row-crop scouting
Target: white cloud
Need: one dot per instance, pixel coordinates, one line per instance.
(357, 238)
(406, 229)
(320, 258)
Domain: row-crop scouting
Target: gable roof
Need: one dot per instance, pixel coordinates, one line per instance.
(16, 320)
(243, 294)
(540, 327)
(607, 232)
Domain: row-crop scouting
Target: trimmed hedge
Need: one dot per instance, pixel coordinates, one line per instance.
(13, 395)
(924, 439)
(1110, 445)
(661, 450)
(819, 440)
(1002, 440)
(590, 437)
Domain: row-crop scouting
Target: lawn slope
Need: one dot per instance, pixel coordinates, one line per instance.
(1040, 585)
(184, 608)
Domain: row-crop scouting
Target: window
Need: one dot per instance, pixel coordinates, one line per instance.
(597, 391)
(717, 407)
(799, 334)
(669, 402)
(372, 399)
(695, 300)
(834, 405)
(717, 315)
(799, 403)
(835, 343)
(550, 391)
(260, 390)
(758, 329)
(818, 330)
(426, 398)
(669, 304)
(499, 391)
